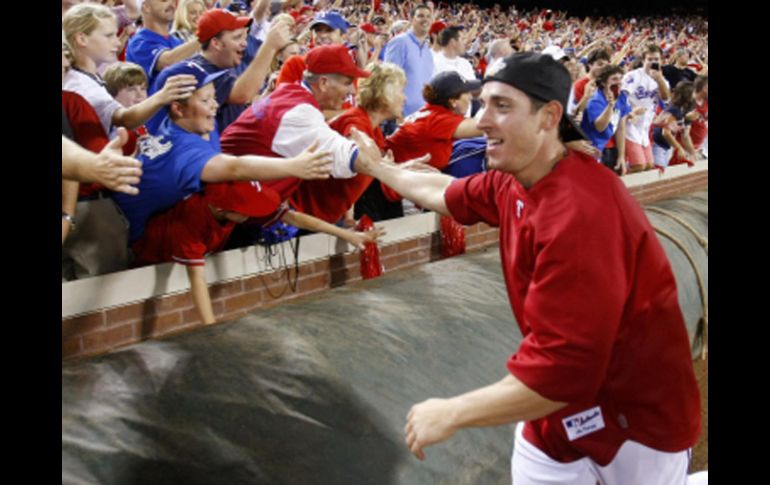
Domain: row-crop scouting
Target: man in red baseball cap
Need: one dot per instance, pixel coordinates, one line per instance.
(291, 118)
(223, 38)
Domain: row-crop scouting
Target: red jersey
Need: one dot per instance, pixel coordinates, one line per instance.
(699, 129)
(329, 199)
(86, 128)
(429, 130)
(579, 88)
(184, 234)
(596, 301)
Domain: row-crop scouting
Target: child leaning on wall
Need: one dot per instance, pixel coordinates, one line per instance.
(200, 225)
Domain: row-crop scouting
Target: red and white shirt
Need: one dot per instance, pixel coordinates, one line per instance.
(596, 301)
(284, 124)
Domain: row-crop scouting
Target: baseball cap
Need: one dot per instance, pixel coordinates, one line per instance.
(217, 20)
(437, 27)
(237, 6)
(556, 52)
(333, 59)
(449, 84)
(332, 19)
(541, 77)
(368, 28)
(195, 69)
(247, 198)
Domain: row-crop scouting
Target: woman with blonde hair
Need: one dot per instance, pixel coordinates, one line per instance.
(380, 98)
(91, 33)
(186, 19)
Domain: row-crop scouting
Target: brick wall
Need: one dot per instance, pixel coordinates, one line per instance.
(99, 332)
(668, 188)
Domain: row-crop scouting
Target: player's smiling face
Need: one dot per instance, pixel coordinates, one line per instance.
(513, 132)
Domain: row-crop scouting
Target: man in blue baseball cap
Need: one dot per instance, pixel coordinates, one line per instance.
(328, 28)
(186, 153)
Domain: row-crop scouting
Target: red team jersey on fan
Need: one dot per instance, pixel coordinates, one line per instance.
(183, 234)
(596, 301)
(429, 130)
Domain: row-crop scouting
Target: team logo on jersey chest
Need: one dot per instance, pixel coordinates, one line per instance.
(153, 146)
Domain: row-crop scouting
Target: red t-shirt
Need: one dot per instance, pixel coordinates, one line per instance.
(596, 301)
(579, 88)
(87, 129)
(429, 130)
(184, 234)
(699, 129)
(329, 199)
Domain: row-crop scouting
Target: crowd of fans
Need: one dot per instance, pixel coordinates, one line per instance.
(240, 112)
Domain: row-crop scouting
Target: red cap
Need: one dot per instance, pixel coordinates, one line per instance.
(333, 59)
(247, 198)
(437, 27)
(368, 28)
(217, 20)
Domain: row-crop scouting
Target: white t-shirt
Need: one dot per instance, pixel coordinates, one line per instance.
(95, 93)
(459, 64)
(642, 91)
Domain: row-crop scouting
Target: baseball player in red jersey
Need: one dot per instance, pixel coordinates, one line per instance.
(602, 386)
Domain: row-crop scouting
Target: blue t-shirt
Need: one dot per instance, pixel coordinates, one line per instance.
(416, 59)
(595, 108)
(469, 156)
(172, 163)
(657, 132)
(145, 47)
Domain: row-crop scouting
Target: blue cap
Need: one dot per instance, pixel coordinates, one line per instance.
(332, 19)
(193, 68)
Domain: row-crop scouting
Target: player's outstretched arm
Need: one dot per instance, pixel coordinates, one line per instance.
(505, 401)
(423, 188)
